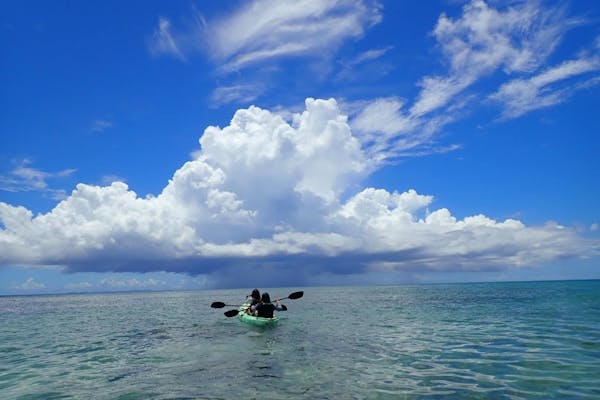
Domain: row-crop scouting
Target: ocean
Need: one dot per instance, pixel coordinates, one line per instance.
(527, 340)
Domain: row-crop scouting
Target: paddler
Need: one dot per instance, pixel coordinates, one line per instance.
(253, 299)
(265, 308)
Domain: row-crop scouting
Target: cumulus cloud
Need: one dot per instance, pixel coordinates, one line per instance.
(285, 196)
(106, 180)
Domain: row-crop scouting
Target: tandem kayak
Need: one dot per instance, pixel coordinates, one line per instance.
(255, 321)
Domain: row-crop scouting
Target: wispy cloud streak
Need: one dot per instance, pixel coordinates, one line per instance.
(484, 42)
(520, 96)
(268, 29)
(163, 41)
(24, 178)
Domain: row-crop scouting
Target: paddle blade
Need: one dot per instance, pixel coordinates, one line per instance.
(218, 304)
(231, 313)
(283, 307)
(296, 295)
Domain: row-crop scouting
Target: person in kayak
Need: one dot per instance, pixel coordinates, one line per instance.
(253, 298)
(265, 308)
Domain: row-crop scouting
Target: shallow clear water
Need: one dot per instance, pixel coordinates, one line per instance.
(503, 340)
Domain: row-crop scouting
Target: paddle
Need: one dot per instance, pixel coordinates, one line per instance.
(219, 304)
(293, 296)
(233, 313)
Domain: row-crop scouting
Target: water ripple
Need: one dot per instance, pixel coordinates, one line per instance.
(499, 341)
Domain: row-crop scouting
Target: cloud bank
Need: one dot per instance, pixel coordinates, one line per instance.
(270, 192)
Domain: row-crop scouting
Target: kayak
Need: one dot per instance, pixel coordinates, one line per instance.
(255, 321)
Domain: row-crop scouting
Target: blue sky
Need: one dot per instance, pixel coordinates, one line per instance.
(264, 143)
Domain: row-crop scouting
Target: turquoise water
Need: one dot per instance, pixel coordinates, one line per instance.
(536, 340)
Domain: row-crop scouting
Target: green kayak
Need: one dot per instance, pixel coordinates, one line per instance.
(256, 321)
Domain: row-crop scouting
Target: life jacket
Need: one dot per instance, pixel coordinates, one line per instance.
(265, 310)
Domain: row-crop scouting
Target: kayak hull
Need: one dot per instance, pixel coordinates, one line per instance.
(255, 321)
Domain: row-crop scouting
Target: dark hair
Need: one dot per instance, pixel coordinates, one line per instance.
(265, 298)
(255, 294)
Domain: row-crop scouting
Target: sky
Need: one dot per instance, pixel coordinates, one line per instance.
(187, 145)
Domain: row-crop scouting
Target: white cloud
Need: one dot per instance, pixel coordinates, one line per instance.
(316, 156)
(383, 115)
(265, 191)
(163, 42)
(31, 284)
(131, 283)
(521, 96)
(388, 132)
(436, 92)
(384, 129)
(24, 178)
(264, 30)
(267, 29)
(106, 180)
(518, 38)
(241, 94)
(100, 125)
(368, 65)
(368, 55)
(481, 42)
